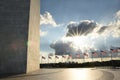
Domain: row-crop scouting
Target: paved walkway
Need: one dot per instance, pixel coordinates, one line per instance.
(115, 72)
(69, 74)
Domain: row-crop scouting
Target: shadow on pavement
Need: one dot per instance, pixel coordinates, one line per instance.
(27, 75)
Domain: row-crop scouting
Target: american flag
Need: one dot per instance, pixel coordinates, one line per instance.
(113, 50)
(77, 55)
(85, 54)
(43, 57)
(49, 57)
(69, 56)
(103, 52)
(63, 56)
(57, 57)
(94, 53)
(118, 49)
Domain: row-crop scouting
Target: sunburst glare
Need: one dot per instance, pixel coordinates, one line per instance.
(78, 42)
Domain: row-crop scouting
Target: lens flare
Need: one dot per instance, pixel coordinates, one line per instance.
(78, 42)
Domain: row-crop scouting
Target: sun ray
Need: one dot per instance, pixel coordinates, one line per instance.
(81, 31)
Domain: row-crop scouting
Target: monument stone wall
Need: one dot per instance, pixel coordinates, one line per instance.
(19, 36)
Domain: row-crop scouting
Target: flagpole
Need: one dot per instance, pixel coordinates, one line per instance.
(111, 55)
(62, 59)
(101, 57)
(41, 59)
(85, 54)
(55, 59)
(68, 58)
(76, 59)
(48, 60)
(92, 57)
(112, 51)
(83, 58)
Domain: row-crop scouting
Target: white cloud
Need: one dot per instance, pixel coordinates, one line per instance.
(118, 14)
(115, 25)
(47, 18)
(43, 33)
(113, 28)
(43, 53)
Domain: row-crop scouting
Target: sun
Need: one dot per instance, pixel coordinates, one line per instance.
(78, 42)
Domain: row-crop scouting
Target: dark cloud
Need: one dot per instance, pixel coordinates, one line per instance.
(81, 28)
(102, 41)
(61, 47)
(101, 30)
(50, 54)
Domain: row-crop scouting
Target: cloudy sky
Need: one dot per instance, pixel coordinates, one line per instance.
(74, 26)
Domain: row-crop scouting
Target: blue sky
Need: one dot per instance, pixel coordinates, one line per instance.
(64, 11)
(67, 10)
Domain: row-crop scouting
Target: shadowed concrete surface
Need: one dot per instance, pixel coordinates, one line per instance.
(19, 36)
(69, 74)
